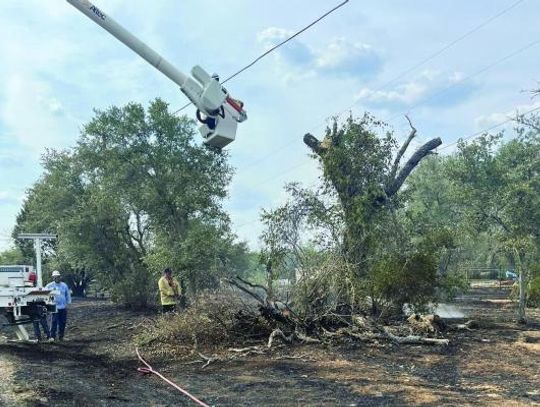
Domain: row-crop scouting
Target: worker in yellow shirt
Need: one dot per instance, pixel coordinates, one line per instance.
(169, 290)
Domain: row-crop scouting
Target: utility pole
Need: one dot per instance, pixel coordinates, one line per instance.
(38, 238)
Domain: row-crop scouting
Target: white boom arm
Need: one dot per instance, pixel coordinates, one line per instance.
(220, 112)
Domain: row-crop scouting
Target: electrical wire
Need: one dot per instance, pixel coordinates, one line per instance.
(479, 133)
(405, 72)
(266, 156)
(459, 82)
(296, 34)
(469, 137)
(399, 76)
(429, 58)
(286, 41)
(288, 170)
(451, 44)
(251, 222)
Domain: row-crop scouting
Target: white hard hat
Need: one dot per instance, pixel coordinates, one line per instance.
(56, 273)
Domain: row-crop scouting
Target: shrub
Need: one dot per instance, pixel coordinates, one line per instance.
(400, 279)
(533, 292)
(215, 320)
(324, 286)
(450, 285)
(135, 290)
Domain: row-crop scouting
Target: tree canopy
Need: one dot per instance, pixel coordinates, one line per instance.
(136, 194)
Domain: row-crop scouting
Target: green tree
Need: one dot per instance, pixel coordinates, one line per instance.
(500, 183)
(12, 255)
(355, 222)
(434, 219)
(135, 195)
(364, 169)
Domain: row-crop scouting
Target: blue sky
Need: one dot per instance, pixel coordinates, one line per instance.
(57, 66)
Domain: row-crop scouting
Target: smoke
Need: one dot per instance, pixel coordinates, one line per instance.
(448, 311)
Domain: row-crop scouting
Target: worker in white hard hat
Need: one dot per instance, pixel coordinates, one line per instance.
(62, 298)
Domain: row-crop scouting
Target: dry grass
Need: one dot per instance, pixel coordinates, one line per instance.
(529, 341)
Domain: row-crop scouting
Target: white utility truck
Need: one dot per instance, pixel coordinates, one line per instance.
(218, 113)
(20, 300)
(22, 296)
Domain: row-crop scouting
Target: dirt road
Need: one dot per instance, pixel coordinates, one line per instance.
(96, 366)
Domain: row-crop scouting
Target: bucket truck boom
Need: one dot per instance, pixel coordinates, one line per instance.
(218, 113)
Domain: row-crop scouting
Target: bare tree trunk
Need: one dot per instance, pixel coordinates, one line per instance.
(522, 288)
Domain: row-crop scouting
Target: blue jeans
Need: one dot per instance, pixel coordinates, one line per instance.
(44, 325)
(59, 320)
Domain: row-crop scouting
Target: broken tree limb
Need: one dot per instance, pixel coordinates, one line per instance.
(306, 339)
(411, 164)
(366, 336)
(276, 313)
(312, 142)
(402, 150)
(396, 176)
(415, 339)
(208, 359)
(278, 333)
(247, 291)
(252, 285)
(248, 349)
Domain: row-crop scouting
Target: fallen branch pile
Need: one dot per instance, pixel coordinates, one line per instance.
(225, 326)
(290, 328)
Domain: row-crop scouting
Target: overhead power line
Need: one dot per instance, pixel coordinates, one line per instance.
(432, 56)
(296, 34)
(407, 71)
(285, 41)
(479, 133)
(460, 81)
(252, 221)
(500, 60)
(469, 137)
(451, 44)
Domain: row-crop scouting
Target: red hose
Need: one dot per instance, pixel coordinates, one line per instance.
(149, 369)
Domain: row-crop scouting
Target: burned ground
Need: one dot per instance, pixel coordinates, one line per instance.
(497, 364)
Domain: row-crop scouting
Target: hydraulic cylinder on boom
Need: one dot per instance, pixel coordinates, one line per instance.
(218, 113)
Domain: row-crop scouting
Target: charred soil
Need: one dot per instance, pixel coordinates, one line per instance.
(496, 363)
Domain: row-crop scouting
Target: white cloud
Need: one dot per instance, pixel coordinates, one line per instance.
(273, 35)
(406, 94)
(33, 114)
(338, 57)
(49, 103)
(492, 119)
(435, 86)
(10, 198)
(31, 111)
(343, 56)
(57, 64)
